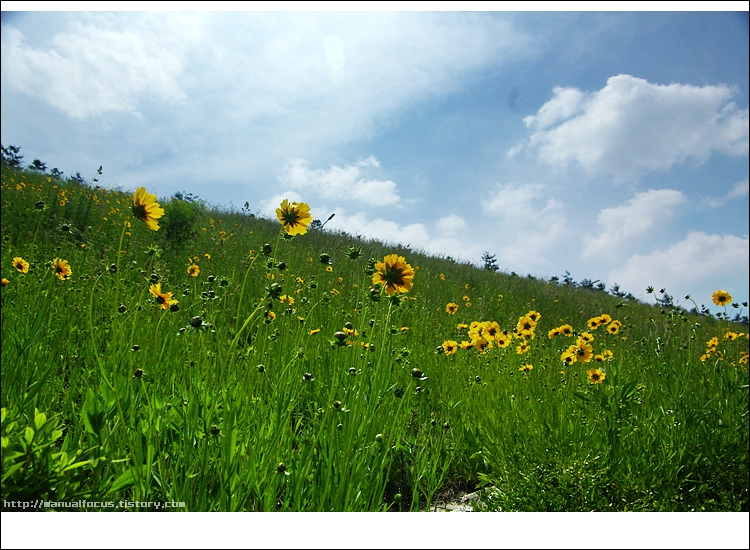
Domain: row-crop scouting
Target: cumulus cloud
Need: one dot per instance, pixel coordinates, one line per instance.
(413, 235)
(740, 189)
(527, 225)
(341, 183)
(626, 226)
(99, 68)
(632, 126)
(700, 263)
(450, 225)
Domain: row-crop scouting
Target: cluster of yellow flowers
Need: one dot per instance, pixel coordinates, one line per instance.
(61, 268)
(483, 335)
(582, 351)
(713, 344)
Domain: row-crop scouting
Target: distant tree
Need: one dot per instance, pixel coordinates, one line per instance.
(78, 178)
(38, 165)
(316, 224)
(11, 157)
(490, 263)
(56, 173)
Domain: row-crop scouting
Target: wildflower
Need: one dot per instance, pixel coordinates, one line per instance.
(586, 337)
(5, 281)
(294, 217)
(535, 316)
(482, 345)
(450, 347)
(442, 277)
(394, 273)
(721, 298)
(164, 299)
(490, 331)
(566, 330)
(526, 327)
(354, 252)
(583, 351)
(596, 376)
(193, 270)
(461, 326)
(614, 327)
(329, 269)
(146, 209)
(503, 339)
(526, 368)
(313, 331)
(568, 357)
(451, 308)
(61, 269)
(21, 265)
(207, 256)
(270, 315)
(523, 347)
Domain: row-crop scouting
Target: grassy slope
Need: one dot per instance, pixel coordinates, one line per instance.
(353, 427)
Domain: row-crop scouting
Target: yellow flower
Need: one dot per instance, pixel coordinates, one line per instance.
(61, 269)
(523, 347)
(314, 331)
(614, 327)
(270, 315)
(721, 298)
(490, 331)
(146, 209)
(442, 277)
(21, 265)
(5, 281)
(329, 269)
(596, 376)
(193, 270)
(526, 367)
(450, 347)
(451, 308)
(535, 316)
(503, 339)
(583, 351)
(395, 274)
(207, 256)
(461, 326)
(164, 299)
(294, 217)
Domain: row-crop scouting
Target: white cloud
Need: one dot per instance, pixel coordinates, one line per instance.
(414, 235)
(740, 189)
(632, 126)
(626, 226)
(450, 225)
(341, 183)
(697, 265)
(524, 226)
(98, 68)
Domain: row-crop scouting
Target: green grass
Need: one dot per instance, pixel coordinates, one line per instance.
(108, 397)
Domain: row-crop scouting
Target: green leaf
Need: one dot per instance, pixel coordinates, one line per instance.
(126, 480)
(627, 391)
(92, 414)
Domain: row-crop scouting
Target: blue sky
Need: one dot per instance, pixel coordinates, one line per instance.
(613, 145)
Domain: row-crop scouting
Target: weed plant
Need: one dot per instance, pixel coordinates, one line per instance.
(233, 364)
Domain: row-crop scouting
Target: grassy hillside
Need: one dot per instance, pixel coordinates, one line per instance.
(267, 373)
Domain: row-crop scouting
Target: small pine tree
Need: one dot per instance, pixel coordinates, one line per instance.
(490, 263)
